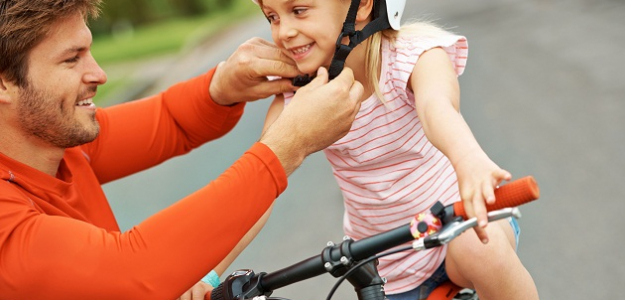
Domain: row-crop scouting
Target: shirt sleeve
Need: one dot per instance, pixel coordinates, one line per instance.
(408, 50)
(53, 257)
(140, 134)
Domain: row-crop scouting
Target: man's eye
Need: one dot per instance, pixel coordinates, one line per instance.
(73, 59)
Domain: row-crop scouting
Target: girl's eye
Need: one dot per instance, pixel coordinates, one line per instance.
(299, 11)
(272, 18)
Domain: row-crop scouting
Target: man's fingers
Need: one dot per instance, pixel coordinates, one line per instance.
(199, 291)
(270, 49)
(272, 53)
(344, 82)
(263, 58)
(319, 80)
(186, 296)
(261, 41)
(264, 67)
(323, 73)
(356, 92)
(346, 77)
(270, 88)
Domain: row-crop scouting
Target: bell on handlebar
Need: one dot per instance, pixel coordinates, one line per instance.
(451, 230)
(424, 224)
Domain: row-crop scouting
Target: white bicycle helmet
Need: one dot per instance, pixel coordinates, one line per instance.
(394, 11)
(386, 14)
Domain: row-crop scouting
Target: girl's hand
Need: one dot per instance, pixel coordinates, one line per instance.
(197, 292)
(478, 176)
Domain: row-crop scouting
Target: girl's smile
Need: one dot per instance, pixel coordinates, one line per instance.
(300, 52)
(306, 30)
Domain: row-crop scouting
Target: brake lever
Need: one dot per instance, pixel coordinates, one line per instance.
(455, 228)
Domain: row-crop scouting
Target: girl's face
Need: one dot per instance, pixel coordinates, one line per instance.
(306, 30)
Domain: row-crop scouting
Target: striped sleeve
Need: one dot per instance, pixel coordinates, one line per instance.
(408, 51)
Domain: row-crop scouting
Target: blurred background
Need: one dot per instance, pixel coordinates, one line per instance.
(543, 94)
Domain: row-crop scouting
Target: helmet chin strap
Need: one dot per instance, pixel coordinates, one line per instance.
(379, 23)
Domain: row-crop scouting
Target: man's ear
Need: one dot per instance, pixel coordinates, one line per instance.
(364, 11)
(6, 88)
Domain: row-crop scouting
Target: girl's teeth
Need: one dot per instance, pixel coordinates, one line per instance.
(301, 50)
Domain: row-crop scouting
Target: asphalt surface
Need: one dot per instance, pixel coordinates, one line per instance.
(543, 94)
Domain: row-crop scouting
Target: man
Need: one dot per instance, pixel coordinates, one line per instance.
(58, 236)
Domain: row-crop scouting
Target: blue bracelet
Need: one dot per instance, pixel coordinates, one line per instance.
(211, 278)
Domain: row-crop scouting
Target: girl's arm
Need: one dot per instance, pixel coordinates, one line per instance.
(437, 93)
(274, 111)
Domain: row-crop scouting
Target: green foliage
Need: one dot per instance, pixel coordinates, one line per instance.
(142, 12)
(127, 45)
(128, 42)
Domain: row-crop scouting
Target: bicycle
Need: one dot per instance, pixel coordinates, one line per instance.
(355, 261)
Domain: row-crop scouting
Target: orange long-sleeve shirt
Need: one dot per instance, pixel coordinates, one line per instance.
(59, 238)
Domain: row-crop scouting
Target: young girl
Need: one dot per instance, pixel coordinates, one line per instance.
(408, 148)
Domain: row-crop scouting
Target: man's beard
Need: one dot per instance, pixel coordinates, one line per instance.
(52, 121)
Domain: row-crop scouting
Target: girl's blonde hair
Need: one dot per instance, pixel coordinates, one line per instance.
(373, 59)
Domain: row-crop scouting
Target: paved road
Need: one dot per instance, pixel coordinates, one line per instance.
(543, 94)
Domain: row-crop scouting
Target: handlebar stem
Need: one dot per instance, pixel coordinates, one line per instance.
(366, 281)
(338, 266)
(241, 284)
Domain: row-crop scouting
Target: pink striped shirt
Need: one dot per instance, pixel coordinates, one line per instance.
(387, 169)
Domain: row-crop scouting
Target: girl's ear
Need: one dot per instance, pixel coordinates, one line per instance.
(364, 10)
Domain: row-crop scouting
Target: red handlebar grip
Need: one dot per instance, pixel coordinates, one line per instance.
(512, 194)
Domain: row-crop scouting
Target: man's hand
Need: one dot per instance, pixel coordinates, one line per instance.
(318, 115)
(197, 292)
(243, 77)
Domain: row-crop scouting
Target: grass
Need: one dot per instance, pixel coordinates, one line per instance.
(162, 38)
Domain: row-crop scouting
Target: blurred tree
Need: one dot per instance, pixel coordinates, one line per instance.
(224, 3)
(190, 7)
(136, 11)
(121, 15)
(124, 13)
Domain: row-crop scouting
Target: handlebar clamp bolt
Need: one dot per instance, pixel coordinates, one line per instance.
(345, 238)
(328, 266)
(384, 280)
(344, 260)
(330, 244)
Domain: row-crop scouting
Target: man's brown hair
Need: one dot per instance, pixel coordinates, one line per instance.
(25, 23)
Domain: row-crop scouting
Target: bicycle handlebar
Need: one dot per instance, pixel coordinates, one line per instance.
(336, 259)
(512, 194)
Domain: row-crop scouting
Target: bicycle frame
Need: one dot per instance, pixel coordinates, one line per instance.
(356, 260)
